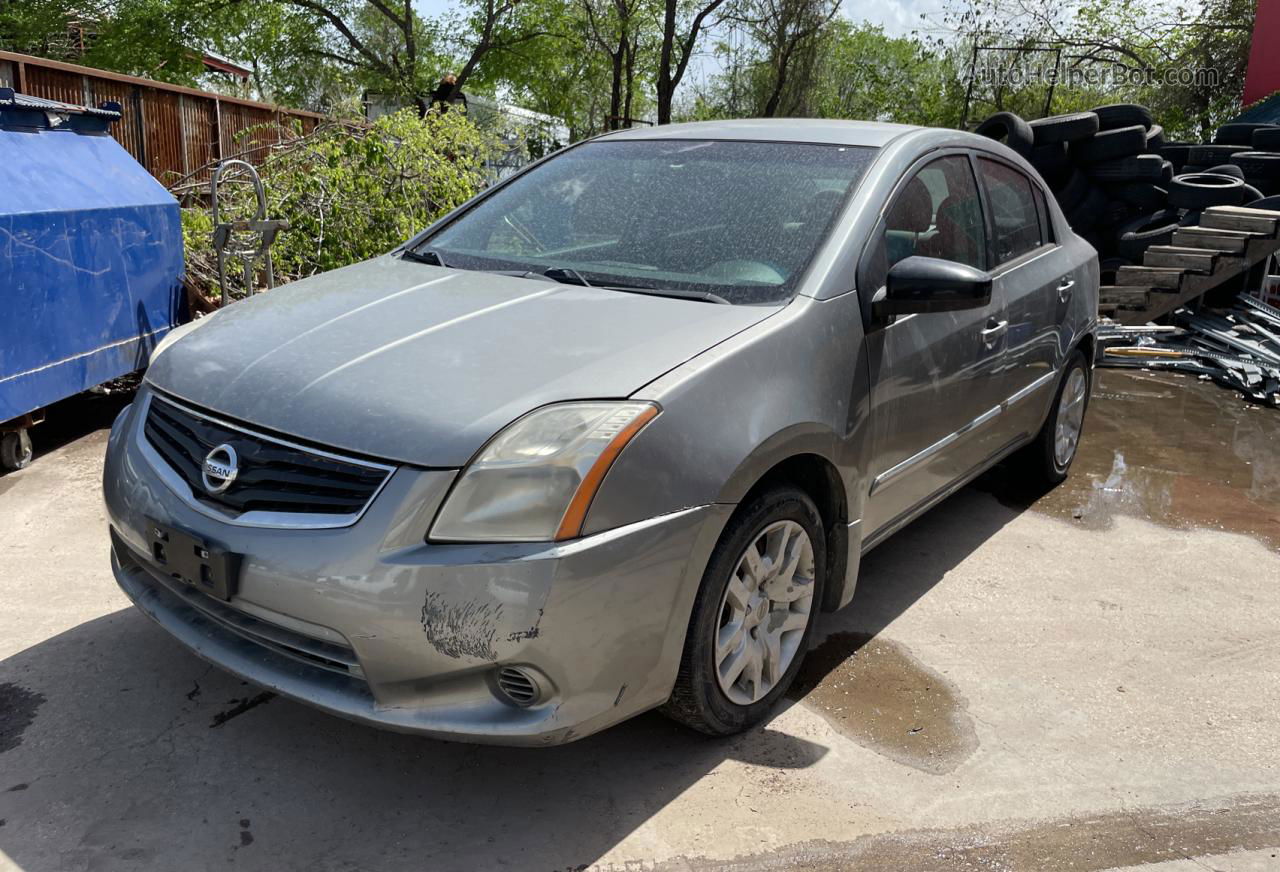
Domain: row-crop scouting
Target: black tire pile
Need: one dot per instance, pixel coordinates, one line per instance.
(1124, 189)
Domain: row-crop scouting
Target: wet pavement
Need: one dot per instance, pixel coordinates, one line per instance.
(875, 692)
(1245, 828)
(1011, 688)
(1166, 448)
(71, 419)
(1172, 450)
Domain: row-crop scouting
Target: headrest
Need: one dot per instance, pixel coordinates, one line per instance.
(914, 210)
(948, 208)
(824, 203)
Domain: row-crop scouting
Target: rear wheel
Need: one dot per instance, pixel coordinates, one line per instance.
(753, 615)
(1050, 456)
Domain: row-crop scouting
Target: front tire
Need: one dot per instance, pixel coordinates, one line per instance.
(753, 616)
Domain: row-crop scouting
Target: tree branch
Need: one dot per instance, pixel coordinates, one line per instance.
(342, 28)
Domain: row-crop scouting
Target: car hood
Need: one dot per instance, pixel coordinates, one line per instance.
(419, 364)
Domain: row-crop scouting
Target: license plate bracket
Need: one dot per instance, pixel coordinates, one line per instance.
(194, 561)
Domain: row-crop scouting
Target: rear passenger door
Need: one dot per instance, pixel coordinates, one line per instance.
(1033, 275)
(935, 377)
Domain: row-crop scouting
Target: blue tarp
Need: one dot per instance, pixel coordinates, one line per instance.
(1265, 111)
(90, 255)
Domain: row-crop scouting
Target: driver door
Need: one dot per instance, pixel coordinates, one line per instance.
(935, 377)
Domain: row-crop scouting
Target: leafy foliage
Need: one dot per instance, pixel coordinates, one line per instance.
(594, 63)
(1186, 61)
(152, 38)
(850, 71)
(351, 193)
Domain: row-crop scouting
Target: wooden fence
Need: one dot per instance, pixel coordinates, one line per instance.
(173, 131)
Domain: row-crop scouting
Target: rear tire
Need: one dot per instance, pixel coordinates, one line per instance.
(700, 699)
(1049, 457)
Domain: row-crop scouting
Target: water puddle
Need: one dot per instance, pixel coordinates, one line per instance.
(875, 692)
(1168, 449)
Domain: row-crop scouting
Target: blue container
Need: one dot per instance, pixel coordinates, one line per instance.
(90, 254)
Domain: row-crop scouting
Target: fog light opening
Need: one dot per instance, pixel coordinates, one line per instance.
(519, 686)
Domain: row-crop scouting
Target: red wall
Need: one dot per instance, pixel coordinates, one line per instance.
(1263, 78)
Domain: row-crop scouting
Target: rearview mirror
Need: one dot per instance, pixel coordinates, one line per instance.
(927, 284)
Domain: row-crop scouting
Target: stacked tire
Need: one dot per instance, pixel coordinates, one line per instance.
(1124, 188)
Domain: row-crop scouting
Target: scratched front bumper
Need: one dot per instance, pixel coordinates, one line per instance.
(601, 620)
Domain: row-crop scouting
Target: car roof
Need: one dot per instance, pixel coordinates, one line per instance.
(866, 133)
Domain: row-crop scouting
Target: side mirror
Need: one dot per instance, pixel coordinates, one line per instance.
(927, 284)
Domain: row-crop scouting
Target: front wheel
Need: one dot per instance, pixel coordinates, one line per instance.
(753, 615)
(1051, 454)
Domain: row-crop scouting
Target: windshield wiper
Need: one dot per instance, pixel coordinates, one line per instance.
(567, 275)
(427, 255)
(676, 293)
(571, 276)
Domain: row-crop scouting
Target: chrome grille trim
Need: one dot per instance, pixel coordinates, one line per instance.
(253, 518)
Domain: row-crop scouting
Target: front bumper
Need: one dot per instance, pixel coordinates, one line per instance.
(371, 623)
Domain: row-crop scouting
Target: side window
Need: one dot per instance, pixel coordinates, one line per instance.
(1015, 220)
(1046, 218)
(938, 214)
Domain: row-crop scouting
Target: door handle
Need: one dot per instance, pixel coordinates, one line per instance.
(1064, 289)
(994, 332)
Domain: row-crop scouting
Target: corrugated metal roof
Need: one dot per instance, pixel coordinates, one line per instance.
(10, 98)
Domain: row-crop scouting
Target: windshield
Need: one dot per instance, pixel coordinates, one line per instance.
(738, 220)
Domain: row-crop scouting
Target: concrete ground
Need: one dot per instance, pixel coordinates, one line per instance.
(1084, 679)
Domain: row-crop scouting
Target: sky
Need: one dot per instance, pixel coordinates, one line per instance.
(898, 17)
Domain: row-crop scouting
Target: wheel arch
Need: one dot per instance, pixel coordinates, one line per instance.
(818, 477)
(1088, 343)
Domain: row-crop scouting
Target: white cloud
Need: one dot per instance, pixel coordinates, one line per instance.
(897, 17)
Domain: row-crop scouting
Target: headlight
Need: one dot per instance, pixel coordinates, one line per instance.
(535, 480)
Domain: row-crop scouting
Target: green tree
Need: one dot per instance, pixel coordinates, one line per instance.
(286, 50)
(867, 74)
(1185, 61)
(683, 24)
(787, 33)
(154, 38)
(615, 27)
(352, 192)
(851, 71)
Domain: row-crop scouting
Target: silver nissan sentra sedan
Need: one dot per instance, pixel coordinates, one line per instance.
(607, 437)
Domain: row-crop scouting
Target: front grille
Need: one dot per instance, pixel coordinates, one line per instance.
(273, 475)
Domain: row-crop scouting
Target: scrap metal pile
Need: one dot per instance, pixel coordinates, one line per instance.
(1237, 347)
